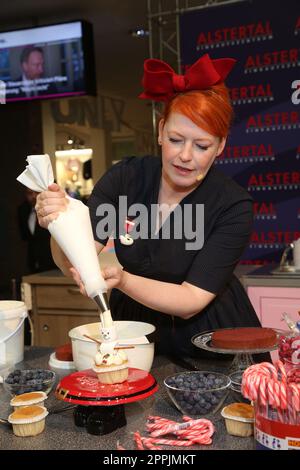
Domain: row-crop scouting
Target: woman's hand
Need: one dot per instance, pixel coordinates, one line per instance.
(114, 277)
(75, 275)
(49, 204)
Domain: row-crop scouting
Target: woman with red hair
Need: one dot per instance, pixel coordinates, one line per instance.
(181, 287)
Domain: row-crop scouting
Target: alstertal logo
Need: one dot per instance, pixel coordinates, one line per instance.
(296, 94)
(2, 92)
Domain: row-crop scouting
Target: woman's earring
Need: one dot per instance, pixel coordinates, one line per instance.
(159, 142)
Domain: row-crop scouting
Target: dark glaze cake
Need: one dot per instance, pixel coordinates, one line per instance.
(244, 338)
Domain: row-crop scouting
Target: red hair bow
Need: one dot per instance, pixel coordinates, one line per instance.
(161, 83)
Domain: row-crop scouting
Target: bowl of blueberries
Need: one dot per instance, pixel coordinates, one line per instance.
(29, 380)
(197, 393)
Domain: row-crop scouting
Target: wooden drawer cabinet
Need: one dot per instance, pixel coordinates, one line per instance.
(57, 307)
(61, 297)
(53, 329)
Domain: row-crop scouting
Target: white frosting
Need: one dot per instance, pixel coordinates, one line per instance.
(72, 230)
(108, 347)
(106, 319)
(115, 359)
(108, 334)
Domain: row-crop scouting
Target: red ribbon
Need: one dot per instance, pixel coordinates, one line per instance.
(161, 83)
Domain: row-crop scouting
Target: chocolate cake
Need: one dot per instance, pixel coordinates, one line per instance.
(244, 338)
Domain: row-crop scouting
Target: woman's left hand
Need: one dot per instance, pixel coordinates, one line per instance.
(113, 276)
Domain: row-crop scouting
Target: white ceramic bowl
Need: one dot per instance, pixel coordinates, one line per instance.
(128, 332)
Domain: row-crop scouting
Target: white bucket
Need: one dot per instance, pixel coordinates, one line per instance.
(128, 332)
(12, 316)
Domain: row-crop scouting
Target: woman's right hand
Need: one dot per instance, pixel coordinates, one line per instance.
(49, 204)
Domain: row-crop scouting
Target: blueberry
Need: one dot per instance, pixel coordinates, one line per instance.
(30, 382)
(170, 382)
(214, 400)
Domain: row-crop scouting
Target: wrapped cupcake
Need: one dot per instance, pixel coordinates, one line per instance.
(239, 419)
(28, 420)
(111, 368)
(30, 398)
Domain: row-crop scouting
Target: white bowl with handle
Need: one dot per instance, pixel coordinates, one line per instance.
(135, 333)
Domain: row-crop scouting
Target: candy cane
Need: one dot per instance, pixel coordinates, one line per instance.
(176, 428)
(149, 444)
(281, 369)
(295, 396)
(267, 384)
(276, 389)
(169, 442)
(283, 395)
(138, 441)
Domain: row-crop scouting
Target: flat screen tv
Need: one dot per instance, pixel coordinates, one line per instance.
(52, 61)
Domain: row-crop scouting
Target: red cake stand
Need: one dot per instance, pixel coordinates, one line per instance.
(100, 406)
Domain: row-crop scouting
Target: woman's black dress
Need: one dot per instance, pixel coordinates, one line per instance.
(227, 228)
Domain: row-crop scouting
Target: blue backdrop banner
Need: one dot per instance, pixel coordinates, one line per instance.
(263, 149)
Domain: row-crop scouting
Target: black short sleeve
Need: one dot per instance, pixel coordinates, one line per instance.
(214, 264)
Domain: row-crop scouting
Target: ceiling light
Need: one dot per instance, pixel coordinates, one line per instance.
(139, 33)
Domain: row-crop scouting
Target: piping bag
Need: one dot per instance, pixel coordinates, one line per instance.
(72, 230)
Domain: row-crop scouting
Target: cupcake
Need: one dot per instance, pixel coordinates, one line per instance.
(111, 368)
(239, 418)
(28, 420)
(26, 399)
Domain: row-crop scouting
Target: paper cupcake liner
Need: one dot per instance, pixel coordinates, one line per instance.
(100, 369)
(114, 377)
(29, 420)
(16, 402)
(31, 429)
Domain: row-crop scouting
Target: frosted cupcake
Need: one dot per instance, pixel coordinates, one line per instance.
(28, 420)
(111, 368)
(26, 399)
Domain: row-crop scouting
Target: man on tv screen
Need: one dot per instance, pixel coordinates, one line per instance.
(32, 65)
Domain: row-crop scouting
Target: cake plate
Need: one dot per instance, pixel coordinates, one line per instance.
(101, 406)
(242, 357)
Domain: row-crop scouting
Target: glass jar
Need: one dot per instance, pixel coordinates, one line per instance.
(289, 349)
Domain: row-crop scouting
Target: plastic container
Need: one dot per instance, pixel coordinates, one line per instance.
(12, 316)
(55, 363)
(134, 333)
(197, 393)
(275, 435)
